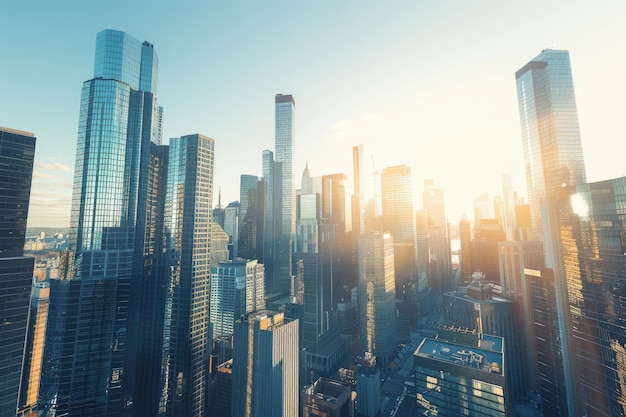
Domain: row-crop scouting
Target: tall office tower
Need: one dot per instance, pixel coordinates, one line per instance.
(237, 288)
(218, 211)
(358, 198)
(488, 233)
(477, 307)
(553, 153)
(33, 351)
(461, 378)
(314, 256)
(548, 373)
(219, 245)
(481, 208)
(553, 159)
(265, 365)
(232, 212)
(251, 196)
(425, 301)
(498, 211)
(438, 240)
(514, 257)
(286, 205)
(326, 397)
(593, 236)
(377, 294)
(187, 340)
(268, 218)
(465, 232)
(336, 212)
(223, 390)
(17, 151)
(93, 345)
(399, 220)
(508, 198)
(368, 396)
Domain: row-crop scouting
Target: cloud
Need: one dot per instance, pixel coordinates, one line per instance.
(37, 174)
(55, 166)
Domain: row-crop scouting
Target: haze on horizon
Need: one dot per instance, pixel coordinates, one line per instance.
(431, 86)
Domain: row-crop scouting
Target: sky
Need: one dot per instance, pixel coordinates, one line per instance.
(426, 84)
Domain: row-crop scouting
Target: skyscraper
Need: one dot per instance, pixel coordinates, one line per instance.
(593, 236)
(93, 342)
(399, 220)
(286, 206)
(237, 288)
(17, 151)
(265, 366)
(377, 294)
(187, 337)
(438, 239)
(553, 159)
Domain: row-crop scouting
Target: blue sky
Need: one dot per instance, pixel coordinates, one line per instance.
(427, 84)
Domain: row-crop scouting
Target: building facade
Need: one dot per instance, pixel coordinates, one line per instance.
(17, 152)
(187, 334)
(265, 366)
(377, 307)
(285, 205)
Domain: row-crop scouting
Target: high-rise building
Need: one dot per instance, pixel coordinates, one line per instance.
(546, 365)
(314, 256)
(478, 307)
(488, 233)
(187, 339)
(553, 153)
(377, 294)
(17, 152)
(285, 206)
(593, 236)
(265, 366)
(93, 344)
(237, 288)
(455, 379)
(232, 213)
(33, 351)
(465, 234)
(399, 220)
(508, 198)
(438, 239)
(358, 198)
(553, 159)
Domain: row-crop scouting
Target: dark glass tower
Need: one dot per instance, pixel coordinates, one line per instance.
(593, 236)
(17, 151)
(187, 333)
(93, 340)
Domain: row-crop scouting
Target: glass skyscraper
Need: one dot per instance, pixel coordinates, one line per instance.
(553, 159)
(17, 152)
(186, 336)
(92, 340)
(285, 206)
(377, 296)
(593, 236)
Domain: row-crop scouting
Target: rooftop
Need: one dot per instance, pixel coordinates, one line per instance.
(488, 357)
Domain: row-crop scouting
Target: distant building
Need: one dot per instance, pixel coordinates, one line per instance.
(17, 151)
(488, 233)
(232, 213)
(223, 390)
(455, 379)
(265, 366)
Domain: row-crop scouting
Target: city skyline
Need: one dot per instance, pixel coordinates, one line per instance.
(417, 80)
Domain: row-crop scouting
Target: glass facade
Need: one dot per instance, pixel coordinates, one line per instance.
(17, 151)
(188, 226)
(113, 228)
(286, 226)
(377, 296)
(593, 234)
(237, 288)
(553, 159)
